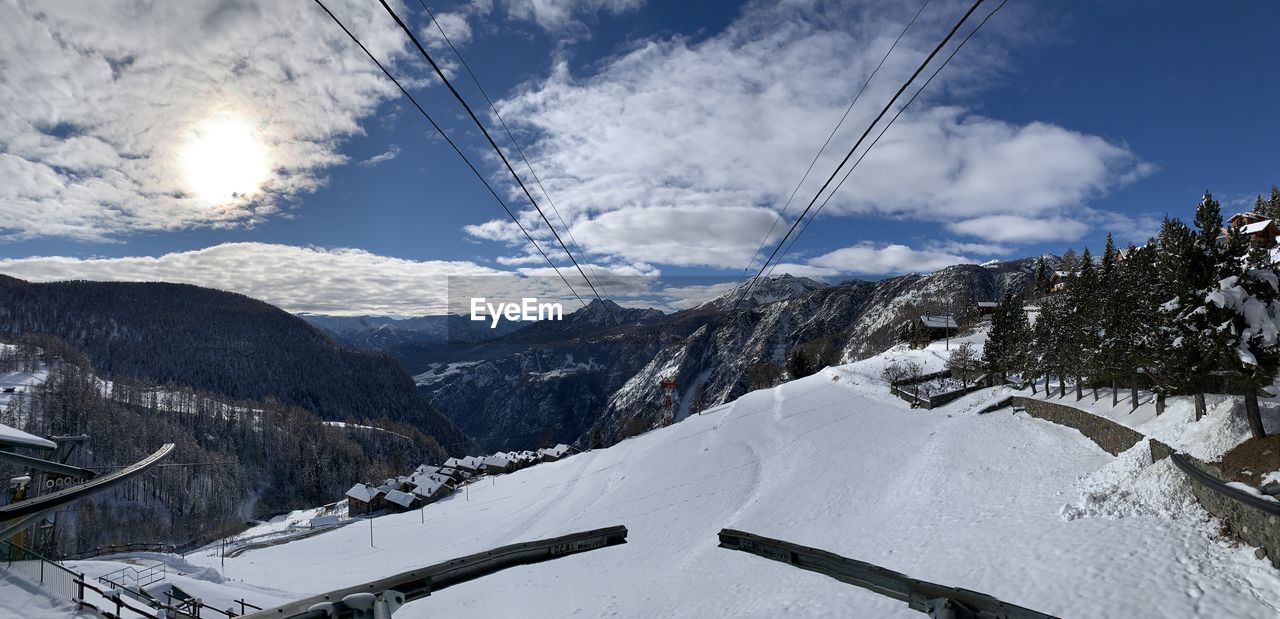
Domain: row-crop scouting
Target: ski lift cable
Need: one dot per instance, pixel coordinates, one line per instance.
(475, 119)
(782, 213)
(452, 144)
(545, 194)
(881, 134)
(747, 292)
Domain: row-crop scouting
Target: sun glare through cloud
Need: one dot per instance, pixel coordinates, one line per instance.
(223, 158)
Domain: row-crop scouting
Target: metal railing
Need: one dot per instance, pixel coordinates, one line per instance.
(937, 601)
(149, 575)
(52, 577)
(1217, 485)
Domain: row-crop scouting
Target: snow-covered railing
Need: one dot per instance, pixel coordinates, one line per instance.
(929, 598)
(50, 575)
(380, 598)
(1217, 485)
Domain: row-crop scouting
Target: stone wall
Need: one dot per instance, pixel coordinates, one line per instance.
(1244, 522)
(1109, 435)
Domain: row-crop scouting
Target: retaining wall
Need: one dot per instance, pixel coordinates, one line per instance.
(1109, 435)
(1244, 522)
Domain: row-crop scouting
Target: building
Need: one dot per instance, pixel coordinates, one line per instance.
(398, 501)
(926, 328)
(551, 454)
(1058, 281)
(986, 308)
(1260, 230)
(496, 464)
(432, 488)
(362, 499)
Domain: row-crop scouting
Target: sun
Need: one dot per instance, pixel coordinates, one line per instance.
(223, 159)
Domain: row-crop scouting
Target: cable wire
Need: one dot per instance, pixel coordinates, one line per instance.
(836, 172)
(839, 124)
(476, 80)
(454, 146)
(456, 95)
(882, 132)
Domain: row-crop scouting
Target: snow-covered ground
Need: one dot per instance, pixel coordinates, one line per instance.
(1002, 503)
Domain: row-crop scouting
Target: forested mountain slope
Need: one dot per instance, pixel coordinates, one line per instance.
(234, 460)
(221, 342)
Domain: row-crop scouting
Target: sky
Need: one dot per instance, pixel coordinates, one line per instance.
(252, 147)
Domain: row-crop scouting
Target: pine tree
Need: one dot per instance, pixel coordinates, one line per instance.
(1040, 286)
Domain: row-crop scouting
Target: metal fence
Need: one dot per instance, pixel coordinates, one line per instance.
(54, 578)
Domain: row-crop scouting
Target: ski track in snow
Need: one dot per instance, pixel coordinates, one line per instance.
(831, 461)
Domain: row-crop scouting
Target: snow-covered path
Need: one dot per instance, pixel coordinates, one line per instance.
(829, 461)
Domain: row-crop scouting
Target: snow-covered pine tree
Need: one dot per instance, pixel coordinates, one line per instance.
(1174, 361)
(1040, 285)
(1081, 343)
(1241, 315)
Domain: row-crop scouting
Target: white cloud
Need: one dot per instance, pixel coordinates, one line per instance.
(678, 235)
(560, 15)
(388, 155)
(1016, 228)
(732, 120)
(339, 281)
(98, 100)
(870, 259)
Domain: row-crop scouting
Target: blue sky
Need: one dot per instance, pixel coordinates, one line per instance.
(668, 133)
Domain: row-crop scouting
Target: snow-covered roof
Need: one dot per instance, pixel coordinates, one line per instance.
(361, 492)
(387, 488)
(939, 322)
(555, 452)
(428, 487)
(1256, 227)
(403, 499)
(986, 303)
(13, 437)
(497, 461)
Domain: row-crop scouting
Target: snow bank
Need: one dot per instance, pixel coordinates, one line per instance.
(1131, 485)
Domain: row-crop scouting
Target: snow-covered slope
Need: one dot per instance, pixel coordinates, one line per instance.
(831, 461)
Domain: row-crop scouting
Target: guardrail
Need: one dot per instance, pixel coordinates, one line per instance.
(937, 601)
(1217, 485)
(52, 577)
(380, 598)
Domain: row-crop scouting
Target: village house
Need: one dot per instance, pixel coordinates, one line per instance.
(398, 501)
(362, 499)
(926, 328)
(551, 454)
(432, 488)
(1058, 281)
(986, 308)
(1259, 229)
(496, 464)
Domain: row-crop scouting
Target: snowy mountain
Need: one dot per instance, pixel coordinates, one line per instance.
(579, 380)
(383, 332)
(984, 502)
(765, 291)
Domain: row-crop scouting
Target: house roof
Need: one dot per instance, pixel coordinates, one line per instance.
(403, 499)
(361, 492)
(986, 304)
(429, 487)
(555, 452)
(1256, 227)
(498, 461)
